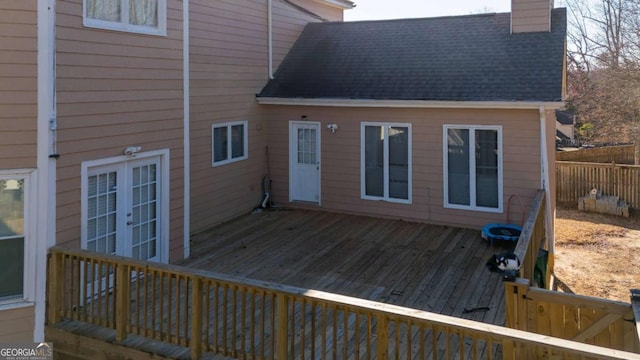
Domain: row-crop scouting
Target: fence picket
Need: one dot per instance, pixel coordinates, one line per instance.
(575, 179)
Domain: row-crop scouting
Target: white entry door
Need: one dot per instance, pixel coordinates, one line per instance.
(304, 155)
(122, 209)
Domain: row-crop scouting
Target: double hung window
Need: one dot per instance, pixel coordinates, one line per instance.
(386, 162)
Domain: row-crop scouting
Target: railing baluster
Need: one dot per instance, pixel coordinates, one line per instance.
(382, 332)
(122, 306)
(282, 318)
(195, 342)
(216, 312)
(234, 322)
(345, 332)
(169, 307)
(253, 298)
(324, 331)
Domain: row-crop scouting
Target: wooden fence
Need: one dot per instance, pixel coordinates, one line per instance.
(246, 319)
(578, 318)
(610, 154)
(575, 179)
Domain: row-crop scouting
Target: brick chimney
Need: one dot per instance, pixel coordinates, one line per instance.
(531, 15)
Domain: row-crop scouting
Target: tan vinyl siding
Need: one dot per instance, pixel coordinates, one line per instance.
(229, 65)
(116, 89)
(17, 325)
(18, 84)
(340, 162)
(530, 15)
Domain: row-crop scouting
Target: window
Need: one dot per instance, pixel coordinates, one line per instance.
(473, 167)
(140, 16)
(386, 162)
(12, 237)
(229, 142)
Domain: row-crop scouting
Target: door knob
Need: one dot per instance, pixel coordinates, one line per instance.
(129, 222)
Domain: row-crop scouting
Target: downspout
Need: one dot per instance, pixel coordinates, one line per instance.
(45, 213)
(186, 233)
(546, 185)
(270, 36)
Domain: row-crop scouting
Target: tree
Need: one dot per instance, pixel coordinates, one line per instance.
(604, 68)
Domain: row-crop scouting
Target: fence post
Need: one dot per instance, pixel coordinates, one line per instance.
(282, 321)
(195, 343)
(123, 302)
(56, 287)
(382, 335)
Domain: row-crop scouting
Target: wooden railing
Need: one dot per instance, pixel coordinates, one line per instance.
(532, 238)
(575, 180)
(584, 319)
(617, 154)
(247, 319)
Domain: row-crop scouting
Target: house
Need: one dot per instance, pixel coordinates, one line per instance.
(109, 111)
(565, 124)
(126, 129)
(382, 117)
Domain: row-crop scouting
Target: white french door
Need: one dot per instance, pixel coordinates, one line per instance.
(304, 155)
(122, 207)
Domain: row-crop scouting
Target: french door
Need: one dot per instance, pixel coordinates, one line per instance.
(122, 209)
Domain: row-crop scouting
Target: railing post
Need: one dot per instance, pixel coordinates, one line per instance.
(282, 321)
(515, 298)
(195, 342)
(123, 301)
(56, 287)
(382, 334)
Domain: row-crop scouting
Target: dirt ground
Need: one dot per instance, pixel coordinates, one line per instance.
(597, 255)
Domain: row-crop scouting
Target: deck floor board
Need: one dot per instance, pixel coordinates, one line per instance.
(422, 266)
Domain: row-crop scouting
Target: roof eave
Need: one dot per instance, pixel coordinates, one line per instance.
(344, 4)
(411, 103)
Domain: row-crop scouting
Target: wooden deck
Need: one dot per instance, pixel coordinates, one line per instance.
(433, 268)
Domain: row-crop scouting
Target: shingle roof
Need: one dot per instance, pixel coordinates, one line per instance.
(565, 117)
(462, 58)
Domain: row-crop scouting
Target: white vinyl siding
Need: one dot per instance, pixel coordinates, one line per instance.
(138, 16)
(386, 162)
(229, 142)
(473, 168)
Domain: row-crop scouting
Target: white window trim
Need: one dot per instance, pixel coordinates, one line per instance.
(30, 226)
(85, 167)
(245, 150)
(472, 163)
(386, 197)
(124, 25)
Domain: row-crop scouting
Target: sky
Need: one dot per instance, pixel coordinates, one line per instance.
(397, 9)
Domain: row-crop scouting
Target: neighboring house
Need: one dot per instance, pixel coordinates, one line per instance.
(439, 120)
(127, 128)
(120, 127)
(565, 124)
